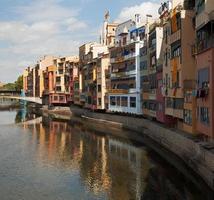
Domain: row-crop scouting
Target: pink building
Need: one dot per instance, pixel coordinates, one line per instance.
(204, 51)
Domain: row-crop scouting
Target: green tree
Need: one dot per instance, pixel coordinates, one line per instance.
(19, 83)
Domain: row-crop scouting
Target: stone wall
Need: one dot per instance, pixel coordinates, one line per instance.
(191, 152)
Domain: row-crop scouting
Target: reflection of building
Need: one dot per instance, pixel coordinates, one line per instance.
(133, 159)
(124, 94)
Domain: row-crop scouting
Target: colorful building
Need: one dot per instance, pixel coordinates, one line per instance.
(66, 71)
(204, 54)
(179, 70)
(93, 61)
(125, 92)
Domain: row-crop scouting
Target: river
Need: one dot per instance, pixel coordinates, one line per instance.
(42, 158)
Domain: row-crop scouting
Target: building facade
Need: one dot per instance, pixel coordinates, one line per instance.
(125, 92)
(94, 60)
(179, 65)
(204, 54)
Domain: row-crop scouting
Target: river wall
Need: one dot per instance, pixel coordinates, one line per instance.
(198, 155)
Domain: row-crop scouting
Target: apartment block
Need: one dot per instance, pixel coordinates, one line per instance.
(204, 55)
(66, 71)
(44, 63)
(93, 61)
(179, 65)
(125, 92)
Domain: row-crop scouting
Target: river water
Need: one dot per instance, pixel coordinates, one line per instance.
(48, 159)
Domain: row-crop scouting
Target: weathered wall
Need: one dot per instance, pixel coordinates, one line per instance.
(191, 152)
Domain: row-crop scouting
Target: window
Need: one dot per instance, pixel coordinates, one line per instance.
(58, 79)
(143, 65)
(118, 101)
(153, 60)
(169, 102)
(200, 5)
(58, 88)
(99, 88)
(112, 101)
(89, 100)
(145, 104)
(76, 85)
(188, 97)
(133, 102)
(55, 98)
(124, 101)
(61, 98)
(178, 103)
(60, 71)
(160, 107)
(176, 22)
(204, 115)
(143, 51)
(176, 49)
(152, 105)
(203, 78)
(188, 117)
(99, 101)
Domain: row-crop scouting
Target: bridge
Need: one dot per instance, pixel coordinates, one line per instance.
(11, 94)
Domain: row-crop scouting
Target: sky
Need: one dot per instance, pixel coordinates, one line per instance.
(30, 29)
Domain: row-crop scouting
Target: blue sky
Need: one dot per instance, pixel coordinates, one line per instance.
(30, 29)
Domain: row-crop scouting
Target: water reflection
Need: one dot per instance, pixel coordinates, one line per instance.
(108, 167)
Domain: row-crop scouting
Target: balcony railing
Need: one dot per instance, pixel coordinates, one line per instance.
(202, 45)
(117, 91)
(121, 74)
(122, 58)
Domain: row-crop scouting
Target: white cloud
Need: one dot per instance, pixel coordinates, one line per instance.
(42, 28)
(143, 9)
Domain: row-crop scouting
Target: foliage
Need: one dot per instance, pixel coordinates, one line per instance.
(17, 85)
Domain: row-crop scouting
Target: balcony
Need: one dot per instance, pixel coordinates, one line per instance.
(118, 91)
(130, 56)
(123, 58)
(175, 36)
(123, 74)
(202, 45)
(206, 15)
(177, 113)
(152, 94)
(52, 68)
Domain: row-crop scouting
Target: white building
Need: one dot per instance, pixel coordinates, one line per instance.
(125, 92)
